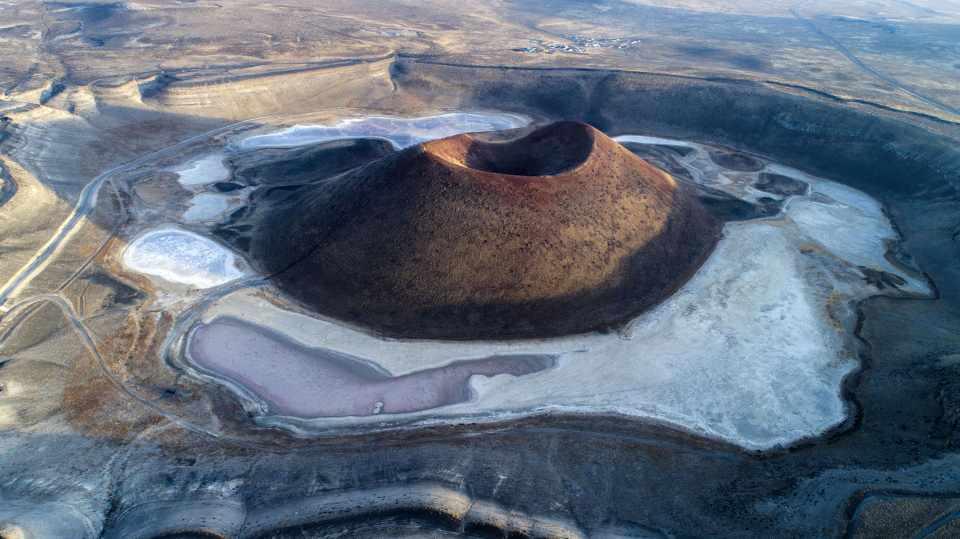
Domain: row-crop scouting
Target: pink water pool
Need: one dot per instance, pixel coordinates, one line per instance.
(295, 380)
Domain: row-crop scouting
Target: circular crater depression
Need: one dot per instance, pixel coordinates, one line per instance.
(560, 231)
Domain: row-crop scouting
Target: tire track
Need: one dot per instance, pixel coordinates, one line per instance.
(891, 81)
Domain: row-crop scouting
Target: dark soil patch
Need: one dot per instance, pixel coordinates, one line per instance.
(778, 184)
(737, 161)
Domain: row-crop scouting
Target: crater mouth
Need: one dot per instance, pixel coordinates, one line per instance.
(552, 150)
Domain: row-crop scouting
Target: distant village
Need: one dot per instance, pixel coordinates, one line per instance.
(580, 44)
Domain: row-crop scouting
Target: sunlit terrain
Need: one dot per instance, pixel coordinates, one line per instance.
(514, 269)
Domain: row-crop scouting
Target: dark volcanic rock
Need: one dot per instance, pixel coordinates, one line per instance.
(558, 232)
(778, 184)
(664, 157)
(730, 208)
(881, 279)
(312, 163)
(740, 162)
(226, 187)
(905, 515)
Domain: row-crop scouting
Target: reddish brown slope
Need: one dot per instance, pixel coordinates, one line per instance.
(561, 231)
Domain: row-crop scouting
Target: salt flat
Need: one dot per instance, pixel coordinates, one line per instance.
(205, 207)
(202, 170)
(401, 132)
(182, 257)
(743, 353)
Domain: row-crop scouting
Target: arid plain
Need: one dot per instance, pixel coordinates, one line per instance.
(737, 317)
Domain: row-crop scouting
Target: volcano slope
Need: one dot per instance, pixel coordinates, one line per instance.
(560, 231)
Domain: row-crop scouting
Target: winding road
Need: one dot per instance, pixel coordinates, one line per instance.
(891, 81)
(85, 204)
